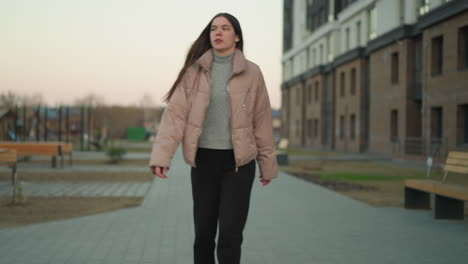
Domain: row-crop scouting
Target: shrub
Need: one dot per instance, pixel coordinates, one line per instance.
(116, 153)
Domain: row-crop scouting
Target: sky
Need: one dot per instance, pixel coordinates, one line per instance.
(122, 50)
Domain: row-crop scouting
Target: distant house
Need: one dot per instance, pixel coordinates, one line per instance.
(7, 124)
(276, 123)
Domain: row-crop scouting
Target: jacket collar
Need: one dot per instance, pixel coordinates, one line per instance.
(238, 64)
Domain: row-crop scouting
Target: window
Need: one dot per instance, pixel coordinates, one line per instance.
(309, 93)
(309, 128)
(437, 55)
(330, 47)
(303, 63)
(315, 128)
(321, 54)
(394, 68)
(401, 7)
(424, 7)
(291, 67)
(347, 39)
(341, 127)
(316, 91)
(372, 23)
(463, 48)
(465, 124)
(342, 84)
(314, 59)
(316, 14)
(358, 33)
(346, 3)
(288, 25)
(309, 15)
(353, 81)
(394, 125)
(352, 126)
(310, 62)
(323, 16)
(436, 123)
(462, 124)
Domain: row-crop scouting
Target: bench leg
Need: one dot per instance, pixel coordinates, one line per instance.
(448, 208)
(54, 161)
(416, 199)
(13, 176)
(282, 158)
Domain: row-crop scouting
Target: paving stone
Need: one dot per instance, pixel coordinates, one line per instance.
(79, 189)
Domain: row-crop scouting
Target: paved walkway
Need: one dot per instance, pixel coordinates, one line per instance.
(290, 221)
(99, 189)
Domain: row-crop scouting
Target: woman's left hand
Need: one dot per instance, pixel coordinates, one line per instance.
(264, 182)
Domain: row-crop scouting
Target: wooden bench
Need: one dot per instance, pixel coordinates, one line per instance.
(8, 158)
(281, 154)
(449, 199)
(53, 149)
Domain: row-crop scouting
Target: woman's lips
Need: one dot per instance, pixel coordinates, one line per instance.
(217, 41)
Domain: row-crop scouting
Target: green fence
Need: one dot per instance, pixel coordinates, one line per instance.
(136, 133)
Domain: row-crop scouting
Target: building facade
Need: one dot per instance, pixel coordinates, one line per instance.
(378, 76)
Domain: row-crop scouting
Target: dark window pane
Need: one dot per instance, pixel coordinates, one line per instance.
(465, 124)
(316, 91)
(436, 123)
(394, 68)
(437, 55)
(394, 125)
(463, 48)
(342, 86)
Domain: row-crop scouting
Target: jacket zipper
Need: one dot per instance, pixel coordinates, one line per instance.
(230, 120)
(201, 131)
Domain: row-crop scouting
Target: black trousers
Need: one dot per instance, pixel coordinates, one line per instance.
(220, 194)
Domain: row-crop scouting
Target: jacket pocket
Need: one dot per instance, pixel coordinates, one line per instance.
(246, 96)
(190, 142)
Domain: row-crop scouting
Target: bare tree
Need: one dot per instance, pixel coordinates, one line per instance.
(146, 103)
(33, 100)
(9, 99)
(90, 99)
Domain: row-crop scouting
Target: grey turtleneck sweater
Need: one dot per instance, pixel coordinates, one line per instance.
(216, 133)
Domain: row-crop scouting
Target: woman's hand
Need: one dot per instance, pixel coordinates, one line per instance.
(264, 182)
(159, 171)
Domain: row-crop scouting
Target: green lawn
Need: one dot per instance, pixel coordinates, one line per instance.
(346, 176)
(307, 152)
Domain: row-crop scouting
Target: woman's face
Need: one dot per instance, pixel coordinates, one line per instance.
(222, 36)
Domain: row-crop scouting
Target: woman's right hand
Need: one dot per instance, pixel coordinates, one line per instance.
(159, 171)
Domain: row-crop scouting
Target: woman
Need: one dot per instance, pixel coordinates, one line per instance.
(219, 108)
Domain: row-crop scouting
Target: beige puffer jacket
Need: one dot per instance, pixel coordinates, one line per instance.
(251, 119)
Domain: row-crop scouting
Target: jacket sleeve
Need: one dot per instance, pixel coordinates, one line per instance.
(171, 128)
(263, 130)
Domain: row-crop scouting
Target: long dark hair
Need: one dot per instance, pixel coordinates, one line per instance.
(201, 45)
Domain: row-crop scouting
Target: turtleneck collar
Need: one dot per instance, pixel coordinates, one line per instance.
(222, 59)
(239, 63)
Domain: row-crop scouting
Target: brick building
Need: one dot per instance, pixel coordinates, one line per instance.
(387, 77)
